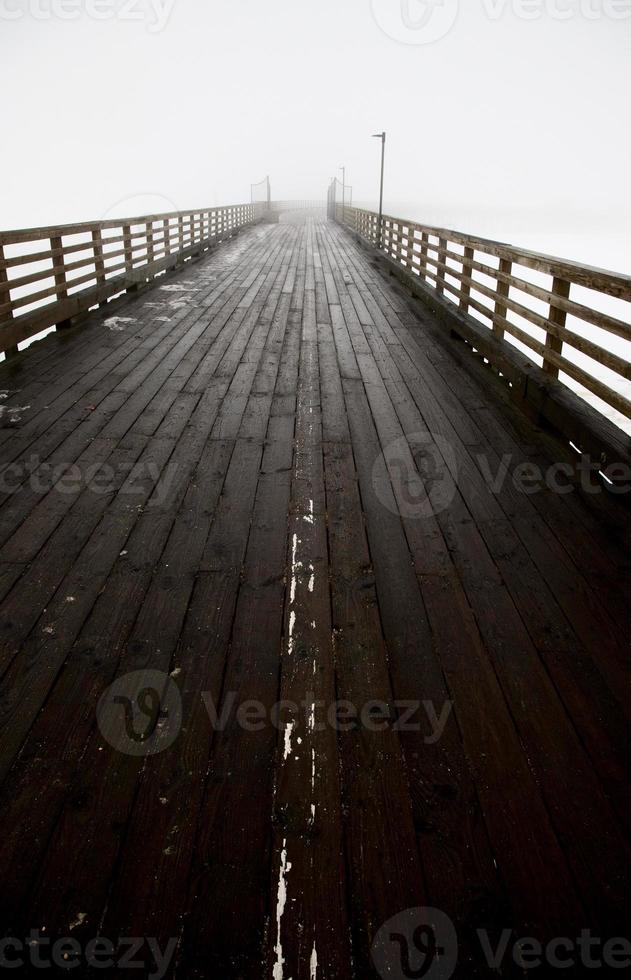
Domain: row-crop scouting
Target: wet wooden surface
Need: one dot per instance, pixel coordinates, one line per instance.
(277, 481)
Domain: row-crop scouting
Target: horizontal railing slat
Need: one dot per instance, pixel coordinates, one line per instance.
(602, 280)
(84, 227)
(147, 244)
(427, 253)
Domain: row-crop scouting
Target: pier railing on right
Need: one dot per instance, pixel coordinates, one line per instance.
(570, 320)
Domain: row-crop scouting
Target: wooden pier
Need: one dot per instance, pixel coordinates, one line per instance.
(309, 614)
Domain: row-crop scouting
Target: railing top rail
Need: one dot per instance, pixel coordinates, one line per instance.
(54, 284)
(507, 316)
(616, 284)
(14, 237)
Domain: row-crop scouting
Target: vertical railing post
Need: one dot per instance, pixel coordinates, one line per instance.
(97, 251)
(129, 256)
(5, 297)
(441, 257)
(503, 290)
(467, 270)
(127, 249)
(150, 250)
(557, 317)
(99, 261)
(166, 234)
(61, 286)
(131, 287)
(424, 244)
(397, 238)
(413, 242)
(180, 239)
(409, 248)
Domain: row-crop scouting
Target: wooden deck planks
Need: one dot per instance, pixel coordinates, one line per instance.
(259, 541)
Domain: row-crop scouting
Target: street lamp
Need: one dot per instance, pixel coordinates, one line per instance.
(382, 137)
(343, 169)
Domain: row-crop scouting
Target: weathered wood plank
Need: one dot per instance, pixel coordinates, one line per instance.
(272, 529)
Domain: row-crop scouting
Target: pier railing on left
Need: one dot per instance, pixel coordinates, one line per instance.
(48, 276)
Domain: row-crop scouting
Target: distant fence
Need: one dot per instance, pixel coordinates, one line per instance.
(50, 275)
(261, 193)
(298, 205)
(338, 193)
(523, 294)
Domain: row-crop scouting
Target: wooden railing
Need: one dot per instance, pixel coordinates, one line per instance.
(50, 275)
(523, 294)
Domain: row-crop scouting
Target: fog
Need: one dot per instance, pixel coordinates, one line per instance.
(503, 125)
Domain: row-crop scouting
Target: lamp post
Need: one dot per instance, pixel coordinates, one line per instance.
(382, 137)
(343, 169)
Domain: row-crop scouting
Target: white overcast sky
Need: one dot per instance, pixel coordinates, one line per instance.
(503, 120)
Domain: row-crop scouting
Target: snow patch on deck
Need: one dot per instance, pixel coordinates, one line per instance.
(281, 901)
(117, 323)
(11, 414)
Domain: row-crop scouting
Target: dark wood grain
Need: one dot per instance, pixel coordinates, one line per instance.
(267, 549)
